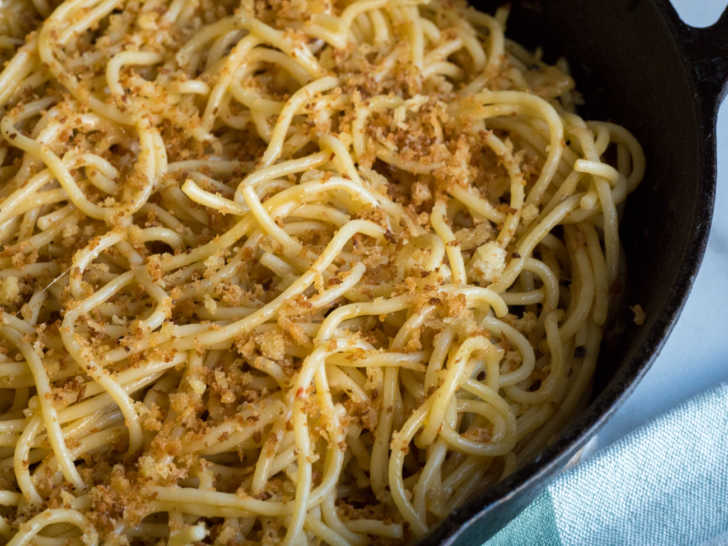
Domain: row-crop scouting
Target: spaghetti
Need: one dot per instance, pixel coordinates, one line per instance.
(296, 271)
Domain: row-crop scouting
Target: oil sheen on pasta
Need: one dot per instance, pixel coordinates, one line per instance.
(288, 271)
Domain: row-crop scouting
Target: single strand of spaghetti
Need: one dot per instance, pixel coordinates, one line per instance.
(118, 61)
(324, 213)
(230, 433)
(260, 105)
(102, 182)
(431, 31)
(303, 447)
(379, 463)
(35, 304)
(163, 310)
(83, 257)
(27, 224)
(334, 461)
(531, 297)
(417, 167)
(332, 519)
(475, 203)
(567, 188)
(151, 165)
(400, 446)
(500, 444)
(220, 46)
(32, 527)
(20, 66)
(21, 455)
(293, 105)
(9, 498)
(283, 60)
(599, 270)
(454, 255)
(157, 233)
(376, 528)
(155, 339)
(329, 296)
(194, 87)
(425, 485)
(326, 27)
(549, 280)
(265, 459)
(611, 229)
(443, 68)
(323, 532)
(440, 348)
(477, 294)
(173, 198)
(342, 382)
(345, 312)
(557, 370)
(48, 411)
(46, 221)
(341, 156)
(281, 170)
(215, 165)
(202, 252)
(519, 341)
(16, 323)
(413, 322)
(583, 289)
(597, 168)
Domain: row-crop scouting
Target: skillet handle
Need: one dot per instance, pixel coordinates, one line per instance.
(706, 52)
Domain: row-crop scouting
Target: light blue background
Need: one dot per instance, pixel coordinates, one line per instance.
(695, 356)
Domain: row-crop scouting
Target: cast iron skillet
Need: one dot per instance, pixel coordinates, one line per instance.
(638, 64)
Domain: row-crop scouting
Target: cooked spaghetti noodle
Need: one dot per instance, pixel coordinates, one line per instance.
(296, 271)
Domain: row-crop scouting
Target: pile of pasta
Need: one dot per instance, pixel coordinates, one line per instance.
(288, 271)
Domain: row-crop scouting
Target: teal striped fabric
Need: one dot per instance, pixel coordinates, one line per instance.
(664, 484)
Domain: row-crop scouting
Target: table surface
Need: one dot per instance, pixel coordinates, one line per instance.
(695, 356)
